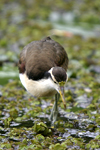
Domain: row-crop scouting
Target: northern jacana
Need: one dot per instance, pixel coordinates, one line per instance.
(42, 70)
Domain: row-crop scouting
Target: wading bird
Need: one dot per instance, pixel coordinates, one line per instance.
(42, 70)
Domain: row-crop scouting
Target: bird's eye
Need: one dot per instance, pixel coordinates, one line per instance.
(55, 82)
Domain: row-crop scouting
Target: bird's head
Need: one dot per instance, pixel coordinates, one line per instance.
(59, 77)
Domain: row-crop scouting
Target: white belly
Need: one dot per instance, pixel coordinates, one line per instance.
(40, 88)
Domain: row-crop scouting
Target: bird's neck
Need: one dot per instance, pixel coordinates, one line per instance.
(43, 87)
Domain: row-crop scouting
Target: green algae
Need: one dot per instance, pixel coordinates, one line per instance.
(42, 128)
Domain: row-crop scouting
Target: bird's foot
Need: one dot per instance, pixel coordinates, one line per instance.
(54, 112)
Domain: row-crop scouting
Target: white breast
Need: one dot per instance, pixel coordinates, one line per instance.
(40, 88)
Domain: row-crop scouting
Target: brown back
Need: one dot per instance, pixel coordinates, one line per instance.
(40, 56)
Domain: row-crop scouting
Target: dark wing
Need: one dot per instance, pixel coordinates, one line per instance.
(22, 60)
(41, 56)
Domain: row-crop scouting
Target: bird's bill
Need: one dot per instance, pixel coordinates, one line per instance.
(61, 92)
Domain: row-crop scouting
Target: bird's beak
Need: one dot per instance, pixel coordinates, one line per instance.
(61, 92)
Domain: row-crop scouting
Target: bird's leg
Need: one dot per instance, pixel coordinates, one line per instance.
(54, 112)
(39, 101)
